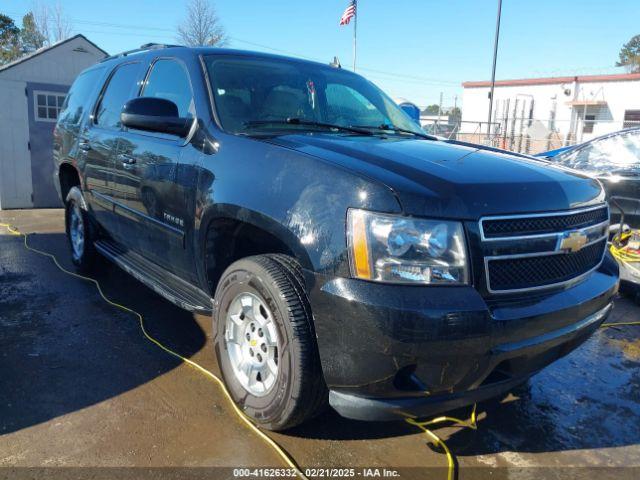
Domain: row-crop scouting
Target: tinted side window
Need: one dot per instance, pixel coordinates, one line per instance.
(169, 80)
(79, 97)
(122, 87)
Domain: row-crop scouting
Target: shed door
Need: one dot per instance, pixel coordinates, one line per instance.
(15, 167)
(45, 102)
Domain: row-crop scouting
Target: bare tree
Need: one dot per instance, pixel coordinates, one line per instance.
(41, 17)
(202, 26)
(60, 27)
(51, 22)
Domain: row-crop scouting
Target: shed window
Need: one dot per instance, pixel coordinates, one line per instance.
(47, 105)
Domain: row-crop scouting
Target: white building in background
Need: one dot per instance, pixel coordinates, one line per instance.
(562, 110)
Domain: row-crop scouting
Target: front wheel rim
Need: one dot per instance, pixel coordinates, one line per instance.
(76, 231)
(251, 339)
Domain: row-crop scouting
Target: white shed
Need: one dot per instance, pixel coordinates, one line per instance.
(32, 90)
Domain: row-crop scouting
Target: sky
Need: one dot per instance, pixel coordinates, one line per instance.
(415, 49)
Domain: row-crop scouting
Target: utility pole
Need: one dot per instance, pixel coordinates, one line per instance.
(439, 109)
(455, 111)
(493, 72)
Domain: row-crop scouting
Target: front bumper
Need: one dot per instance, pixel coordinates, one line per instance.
(390, 351)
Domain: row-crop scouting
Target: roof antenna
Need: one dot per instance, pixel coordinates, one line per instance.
(335, 63)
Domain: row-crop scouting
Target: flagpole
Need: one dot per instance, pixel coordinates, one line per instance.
(355, 37)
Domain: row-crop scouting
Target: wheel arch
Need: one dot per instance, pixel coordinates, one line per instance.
(69, 177)
(242, 232)
(75, 193)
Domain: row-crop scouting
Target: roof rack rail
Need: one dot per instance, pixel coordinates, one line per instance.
(143, 48)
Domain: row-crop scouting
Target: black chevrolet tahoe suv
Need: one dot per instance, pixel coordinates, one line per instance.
(344, 255)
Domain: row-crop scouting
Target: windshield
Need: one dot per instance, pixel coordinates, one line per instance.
(254, 95)
(614, 154)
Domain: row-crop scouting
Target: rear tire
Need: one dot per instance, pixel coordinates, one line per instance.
(265, 342)
(79, 233)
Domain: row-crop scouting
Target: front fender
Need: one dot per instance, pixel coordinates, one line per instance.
(259, 220)
(298, 198)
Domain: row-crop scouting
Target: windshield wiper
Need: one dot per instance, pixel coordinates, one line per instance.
(392, 128)
(308, 123)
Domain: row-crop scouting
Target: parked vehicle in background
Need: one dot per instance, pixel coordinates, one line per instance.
(343, 254)
(614, 159)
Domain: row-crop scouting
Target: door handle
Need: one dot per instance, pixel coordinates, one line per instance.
(127, 160)
(84, 146)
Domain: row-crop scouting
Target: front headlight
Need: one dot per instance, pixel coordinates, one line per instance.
(395, 249)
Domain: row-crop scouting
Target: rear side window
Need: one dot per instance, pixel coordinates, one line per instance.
(79, 97)
(169, 80)
(122, 87)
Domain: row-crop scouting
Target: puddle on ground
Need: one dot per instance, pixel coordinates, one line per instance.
(588, 400)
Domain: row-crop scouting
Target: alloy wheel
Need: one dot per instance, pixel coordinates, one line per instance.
(251, 339)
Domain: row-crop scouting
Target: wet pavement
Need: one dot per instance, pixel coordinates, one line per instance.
(81, 387)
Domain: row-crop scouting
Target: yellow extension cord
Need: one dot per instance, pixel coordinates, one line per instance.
(620, 252)
(451, 467)
(624, 256)
(287, 459)
(471, 423)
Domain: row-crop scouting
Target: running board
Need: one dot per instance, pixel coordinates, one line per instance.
(161, 281)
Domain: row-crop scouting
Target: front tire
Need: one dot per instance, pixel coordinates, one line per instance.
(265, 343)
(79, 233)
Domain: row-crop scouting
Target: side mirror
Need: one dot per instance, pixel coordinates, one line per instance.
(154, 115)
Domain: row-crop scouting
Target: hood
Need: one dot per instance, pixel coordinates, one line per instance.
(435, 178)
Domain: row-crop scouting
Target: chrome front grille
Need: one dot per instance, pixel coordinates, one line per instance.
(518, 226)
(531, 252)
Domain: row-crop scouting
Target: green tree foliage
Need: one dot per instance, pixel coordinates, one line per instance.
(9, 40)
(31, 37)
(431, 110)
(455, 114)
(630, 55)
(34, 34)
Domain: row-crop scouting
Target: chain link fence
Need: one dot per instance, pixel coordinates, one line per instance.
(527, 135)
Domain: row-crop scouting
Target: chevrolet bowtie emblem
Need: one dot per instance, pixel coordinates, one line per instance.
(572, 241)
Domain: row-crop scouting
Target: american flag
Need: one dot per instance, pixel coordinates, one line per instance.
(349, 13)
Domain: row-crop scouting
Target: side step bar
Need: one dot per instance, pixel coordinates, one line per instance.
(157, 278)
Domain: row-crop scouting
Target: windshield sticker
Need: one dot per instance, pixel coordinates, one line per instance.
(311, 92)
